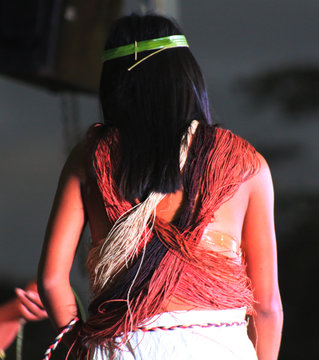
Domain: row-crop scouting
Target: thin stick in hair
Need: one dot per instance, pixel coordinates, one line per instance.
(146, 57)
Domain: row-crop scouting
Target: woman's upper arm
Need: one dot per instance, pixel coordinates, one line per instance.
(259, 240)
(65, 225)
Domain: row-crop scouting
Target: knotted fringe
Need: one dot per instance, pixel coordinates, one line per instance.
(129, 233)
(174, 265)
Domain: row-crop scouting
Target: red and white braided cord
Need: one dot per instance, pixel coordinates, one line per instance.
(57, 340)
(223, 324)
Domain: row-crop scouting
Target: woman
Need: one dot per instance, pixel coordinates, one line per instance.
(180, 212)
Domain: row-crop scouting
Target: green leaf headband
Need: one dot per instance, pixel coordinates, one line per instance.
(159, 44)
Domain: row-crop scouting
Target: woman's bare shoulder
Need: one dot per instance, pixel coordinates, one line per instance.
(76, 163)
(262, 179)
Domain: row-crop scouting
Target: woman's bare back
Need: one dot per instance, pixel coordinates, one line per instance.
(228, 219)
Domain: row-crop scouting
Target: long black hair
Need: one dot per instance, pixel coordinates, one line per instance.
(151, 106)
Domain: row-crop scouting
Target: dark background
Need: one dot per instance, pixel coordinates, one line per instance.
(261, 63)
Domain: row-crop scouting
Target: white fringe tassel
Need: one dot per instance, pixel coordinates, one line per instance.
(129, 231)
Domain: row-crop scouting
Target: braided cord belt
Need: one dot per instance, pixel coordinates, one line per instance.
(58, 339)
(207, 325)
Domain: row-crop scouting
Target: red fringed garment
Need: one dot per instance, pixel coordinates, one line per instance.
(173, 263)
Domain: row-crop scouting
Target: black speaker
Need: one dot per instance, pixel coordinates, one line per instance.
(55, 43)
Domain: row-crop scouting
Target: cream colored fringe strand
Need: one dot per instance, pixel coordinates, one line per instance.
(129, 231)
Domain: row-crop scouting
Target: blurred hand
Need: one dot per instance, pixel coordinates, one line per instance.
(30, 306)
(27, 305)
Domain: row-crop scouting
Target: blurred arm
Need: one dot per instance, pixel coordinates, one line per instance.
(9, 323)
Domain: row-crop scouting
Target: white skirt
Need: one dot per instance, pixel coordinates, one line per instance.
(195, 343)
